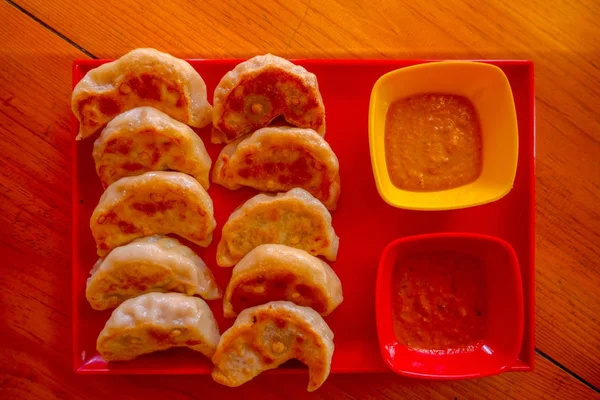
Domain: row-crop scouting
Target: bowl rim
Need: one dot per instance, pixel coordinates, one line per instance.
(383, 281)
(376, 158)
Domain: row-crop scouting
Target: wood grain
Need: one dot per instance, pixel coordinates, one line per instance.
(35, 75)
(560, 36)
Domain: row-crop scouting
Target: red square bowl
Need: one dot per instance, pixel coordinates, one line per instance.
(503, 327)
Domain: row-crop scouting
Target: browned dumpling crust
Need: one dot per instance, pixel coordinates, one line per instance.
(266, 336)
(152, 203)
(295, 218)
(142, 77)
(273, 272)
(276, 159)
(262, 88)
(145, 139)
(150, 264)
(158, 321)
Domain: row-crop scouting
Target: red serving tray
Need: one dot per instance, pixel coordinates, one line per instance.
(363, 221)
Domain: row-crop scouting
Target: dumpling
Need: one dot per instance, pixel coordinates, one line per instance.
(151, 264)
(142, 77)
(145, 139)
(294, 219)
(260, 89)
(152, 203)
(276, 272)
(278, 159)
(158, 321)
(266, 336)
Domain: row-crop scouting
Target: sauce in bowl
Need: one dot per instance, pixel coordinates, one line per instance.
(439, 302)
(432, 142)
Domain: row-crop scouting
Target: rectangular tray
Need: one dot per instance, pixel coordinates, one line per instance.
(363, 221)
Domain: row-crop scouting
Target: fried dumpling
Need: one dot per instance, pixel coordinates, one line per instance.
(278, 159)
(294, 219)
(152, 203)
(260, 89)
(266, 336)
(144, 139)
(151, 264)
(142, 77)
(272, 272)
(158, 321)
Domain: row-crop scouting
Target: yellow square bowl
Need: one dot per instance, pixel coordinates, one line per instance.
(487, 87)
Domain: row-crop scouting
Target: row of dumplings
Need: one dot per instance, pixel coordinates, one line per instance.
(137, 204)
(296, 226)
(277, 159)
(247, 98)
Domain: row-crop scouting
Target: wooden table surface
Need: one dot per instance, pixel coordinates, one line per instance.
(40, 39)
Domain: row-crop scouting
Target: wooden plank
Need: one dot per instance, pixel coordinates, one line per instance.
(35, 140)
(35, 186)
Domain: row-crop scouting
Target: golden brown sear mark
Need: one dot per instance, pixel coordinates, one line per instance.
(263, 97)
(280, 286)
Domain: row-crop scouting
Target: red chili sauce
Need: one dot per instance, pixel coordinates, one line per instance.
(438, 302)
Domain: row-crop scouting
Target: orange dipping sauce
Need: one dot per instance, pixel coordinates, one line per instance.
(432, 142)
(438, 302)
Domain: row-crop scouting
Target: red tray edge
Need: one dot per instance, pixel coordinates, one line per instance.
(334, 61)
(531, 303)
(74, 229)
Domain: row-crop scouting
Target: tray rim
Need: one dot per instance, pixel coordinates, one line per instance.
(79, 367)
